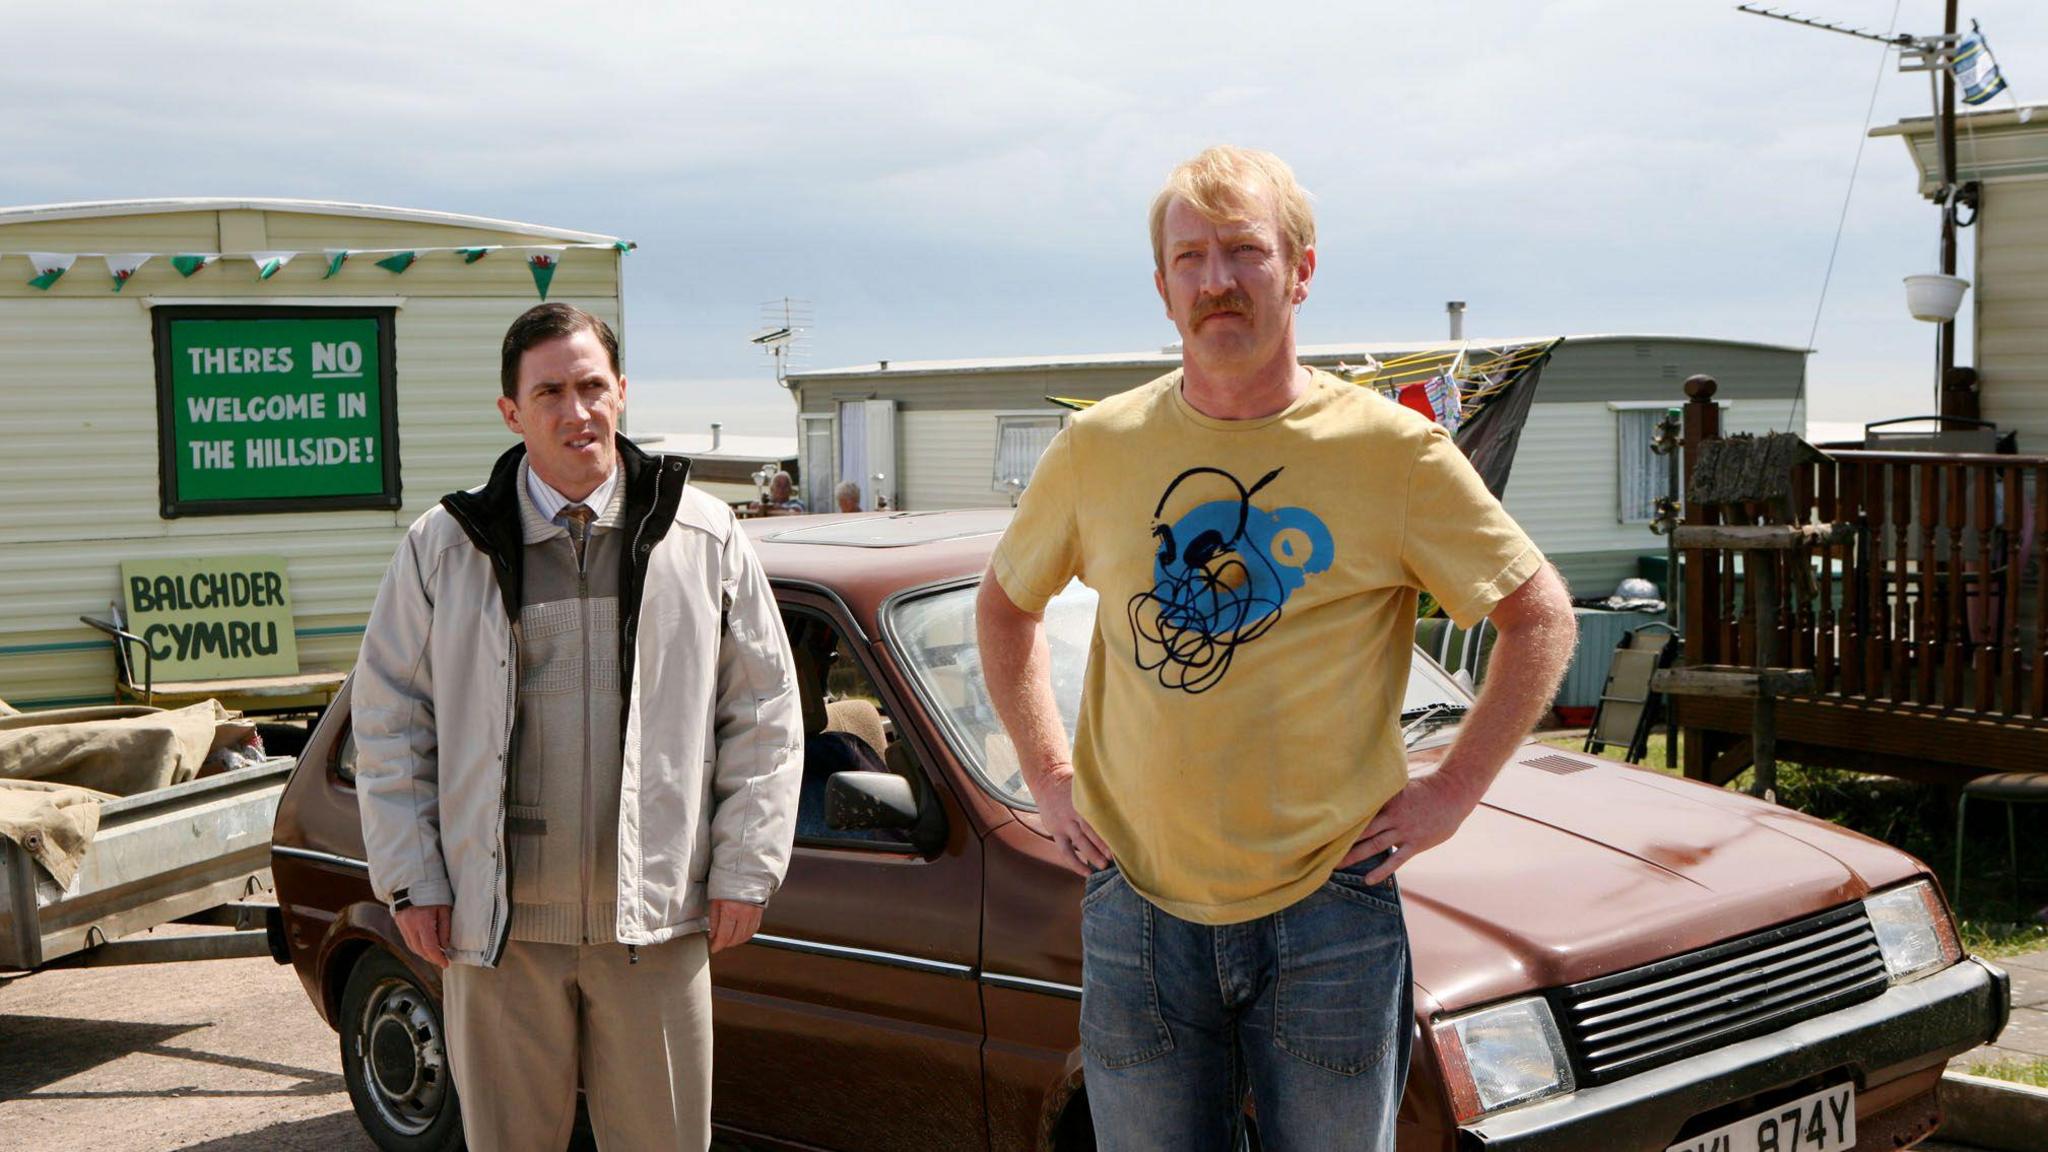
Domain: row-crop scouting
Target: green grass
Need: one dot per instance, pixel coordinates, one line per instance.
(1920, 819)
(2030, 1072)
(1655, 758)
(1992, 939)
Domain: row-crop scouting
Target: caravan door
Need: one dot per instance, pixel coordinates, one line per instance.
(867, 450)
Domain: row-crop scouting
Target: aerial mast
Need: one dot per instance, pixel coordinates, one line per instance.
(1955, 391)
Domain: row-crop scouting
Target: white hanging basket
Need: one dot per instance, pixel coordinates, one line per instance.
(1935, 297)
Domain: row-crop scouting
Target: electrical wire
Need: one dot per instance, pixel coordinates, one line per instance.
(1862, 138)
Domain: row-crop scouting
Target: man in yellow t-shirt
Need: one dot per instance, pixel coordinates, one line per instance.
(1237, 789)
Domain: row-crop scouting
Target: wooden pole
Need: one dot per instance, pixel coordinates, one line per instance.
(1699, 579)
(1763, 569)
(1945, 332)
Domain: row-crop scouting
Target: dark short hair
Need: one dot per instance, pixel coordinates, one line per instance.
(542, 323)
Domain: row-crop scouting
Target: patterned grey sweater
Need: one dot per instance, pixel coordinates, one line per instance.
(563, 820)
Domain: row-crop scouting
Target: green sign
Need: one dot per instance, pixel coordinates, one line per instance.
(275, 410)
(214, 618)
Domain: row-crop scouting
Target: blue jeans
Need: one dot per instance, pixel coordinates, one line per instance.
(1309, 1008)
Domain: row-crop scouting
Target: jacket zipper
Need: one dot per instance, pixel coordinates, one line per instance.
(629, 622)
(498, 893)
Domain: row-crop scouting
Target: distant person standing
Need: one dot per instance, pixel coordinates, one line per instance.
(580, 751)
(1237, 789)
(847, 494)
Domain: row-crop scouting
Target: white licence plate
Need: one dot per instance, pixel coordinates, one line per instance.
(1822, 1122)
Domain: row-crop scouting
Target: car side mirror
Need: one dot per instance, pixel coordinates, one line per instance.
(857, 801)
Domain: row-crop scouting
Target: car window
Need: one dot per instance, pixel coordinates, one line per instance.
(935, 637)
(345, 756)
(847, 728)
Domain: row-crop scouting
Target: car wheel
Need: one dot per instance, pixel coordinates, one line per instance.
(394, 1058)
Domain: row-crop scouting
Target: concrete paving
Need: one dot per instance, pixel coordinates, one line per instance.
(2025, 1039)
(215, 1056)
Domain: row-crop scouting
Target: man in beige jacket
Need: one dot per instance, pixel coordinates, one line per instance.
(580, 749)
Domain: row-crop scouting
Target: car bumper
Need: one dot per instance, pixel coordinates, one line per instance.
(1910, 1028)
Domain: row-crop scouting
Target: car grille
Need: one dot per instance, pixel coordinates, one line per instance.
(1633, 1021)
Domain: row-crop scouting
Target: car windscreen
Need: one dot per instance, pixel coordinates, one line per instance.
(934, 637)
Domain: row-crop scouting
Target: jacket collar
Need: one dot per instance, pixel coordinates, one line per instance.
(494, 519)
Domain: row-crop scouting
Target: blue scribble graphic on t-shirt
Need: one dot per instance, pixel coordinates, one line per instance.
(1223, 571)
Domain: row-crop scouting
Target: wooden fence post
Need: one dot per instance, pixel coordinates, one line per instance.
(1698, 577)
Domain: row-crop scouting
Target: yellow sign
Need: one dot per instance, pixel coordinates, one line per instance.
(212, 618)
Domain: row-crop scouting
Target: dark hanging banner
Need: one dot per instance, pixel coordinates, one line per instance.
(1490, 438)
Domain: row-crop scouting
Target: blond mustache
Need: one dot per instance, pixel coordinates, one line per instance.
(1233, 301)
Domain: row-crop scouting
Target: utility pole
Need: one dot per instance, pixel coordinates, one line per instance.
(1956, 391)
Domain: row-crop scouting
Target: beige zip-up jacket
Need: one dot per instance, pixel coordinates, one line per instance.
(712, 739)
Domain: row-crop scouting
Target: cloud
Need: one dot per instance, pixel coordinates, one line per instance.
(952, 180)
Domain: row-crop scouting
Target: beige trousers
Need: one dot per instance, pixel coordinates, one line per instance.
(638, 1036)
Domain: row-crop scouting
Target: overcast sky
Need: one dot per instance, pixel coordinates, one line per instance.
(949, 180)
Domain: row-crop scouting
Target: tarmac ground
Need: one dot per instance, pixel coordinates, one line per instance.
(228, 1056)
(211, 1056)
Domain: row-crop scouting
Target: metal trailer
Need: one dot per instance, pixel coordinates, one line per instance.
(193, 853)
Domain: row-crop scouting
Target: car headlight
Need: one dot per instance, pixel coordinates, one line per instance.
(1508, 1054)
(1913, 930)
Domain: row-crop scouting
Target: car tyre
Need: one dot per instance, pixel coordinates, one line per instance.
(395, 1061)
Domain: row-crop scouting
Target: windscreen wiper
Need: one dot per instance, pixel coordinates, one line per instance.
(1419, 722)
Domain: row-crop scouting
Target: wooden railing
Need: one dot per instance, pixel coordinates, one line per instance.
(1940, 600)
(1932, 604)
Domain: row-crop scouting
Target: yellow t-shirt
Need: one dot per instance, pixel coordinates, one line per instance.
(1240, 720)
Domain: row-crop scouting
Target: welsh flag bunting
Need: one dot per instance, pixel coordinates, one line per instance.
(50, 268)
(624, 245)
(192, 262)
(268, 264)
(123, 267)
(543, 262)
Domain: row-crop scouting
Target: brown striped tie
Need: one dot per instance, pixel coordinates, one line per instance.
(577, 518)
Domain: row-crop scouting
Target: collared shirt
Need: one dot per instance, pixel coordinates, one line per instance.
(549, 503)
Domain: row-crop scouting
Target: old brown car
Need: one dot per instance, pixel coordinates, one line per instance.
(1605, 957)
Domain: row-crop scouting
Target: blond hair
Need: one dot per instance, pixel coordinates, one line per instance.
(1222, 183)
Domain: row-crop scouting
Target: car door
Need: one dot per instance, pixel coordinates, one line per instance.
(853, 1020)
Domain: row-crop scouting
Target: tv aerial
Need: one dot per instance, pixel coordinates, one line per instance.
(1928, 54)
(785, 330)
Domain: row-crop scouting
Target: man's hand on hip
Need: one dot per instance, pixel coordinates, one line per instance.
(425, 928)
(1419, 817)
(733, 923)
(1081, 850)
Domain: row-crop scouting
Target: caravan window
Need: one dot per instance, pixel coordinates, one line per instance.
(1643, 475)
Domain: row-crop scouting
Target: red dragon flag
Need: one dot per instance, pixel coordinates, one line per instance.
(50, 267)
(123, 266)
(269, 264)
(543, 262)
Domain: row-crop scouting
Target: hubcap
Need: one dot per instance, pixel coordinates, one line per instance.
(404, 1059)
